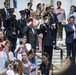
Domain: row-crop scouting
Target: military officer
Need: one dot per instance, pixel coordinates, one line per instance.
(47, 31)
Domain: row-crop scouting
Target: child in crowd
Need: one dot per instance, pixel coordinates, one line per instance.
(33, 62)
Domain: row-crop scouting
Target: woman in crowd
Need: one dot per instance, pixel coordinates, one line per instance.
(72, 12)
(46, 67)
(23, 46)
(26, 65)
(3, 40)
(36, 24)
(15, 68)
(33, 61)
(6, 57)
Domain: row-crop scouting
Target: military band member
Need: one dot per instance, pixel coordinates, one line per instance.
(11, 28)
(21, 22)
(47, 31)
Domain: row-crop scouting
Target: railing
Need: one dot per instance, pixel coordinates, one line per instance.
(61, 57)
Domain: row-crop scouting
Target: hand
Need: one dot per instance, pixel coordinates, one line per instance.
(54, 25)
(40, 35)
(22, 46)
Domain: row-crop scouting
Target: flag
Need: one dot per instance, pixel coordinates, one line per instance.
(15, 3)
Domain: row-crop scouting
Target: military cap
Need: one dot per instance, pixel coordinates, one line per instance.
(22, 12)
(29, 19)
(46, 16)
(11, 9)
(29, 3)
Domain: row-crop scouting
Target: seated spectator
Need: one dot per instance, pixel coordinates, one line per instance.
(6, 57)
(33, 61)
(26, 65)
(46, 67)
(3, 40)
(15, 68)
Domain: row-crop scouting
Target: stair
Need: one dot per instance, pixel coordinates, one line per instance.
(55, 59)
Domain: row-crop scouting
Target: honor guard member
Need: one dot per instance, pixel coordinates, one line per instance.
(28, 10)
(21, 22)
(47, 31)
(11, 28)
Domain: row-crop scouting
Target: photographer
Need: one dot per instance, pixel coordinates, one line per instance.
(15, 68)
(6, 57)
(22, 47)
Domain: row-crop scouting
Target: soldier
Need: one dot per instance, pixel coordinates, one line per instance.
(21, 22)
(31, 33)
(11, 28)
(47, 31)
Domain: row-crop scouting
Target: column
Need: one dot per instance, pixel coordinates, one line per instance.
(2, 3)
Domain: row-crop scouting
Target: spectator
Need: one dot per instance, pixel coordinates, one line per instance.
(60, 12)
(46, 68)
(3, 40)
(23, 46)
(6, 57)
(72, 12)
(26, 65)
(33, 61)
(15, 68)
(4, 10)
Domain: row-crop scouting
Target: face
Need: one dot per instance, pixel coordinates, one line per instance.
(1, 35)
(52, 9)
(47, 20)
(44, 59)
(71, 20)
(58, 4)
(30, 56)
(24, 56)
(72, 9)
(6, 5)
(22, 15)
(16, 65)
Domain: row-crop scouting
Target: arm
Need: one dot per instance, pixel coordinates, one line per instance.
(68, 29)
(40, 73)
